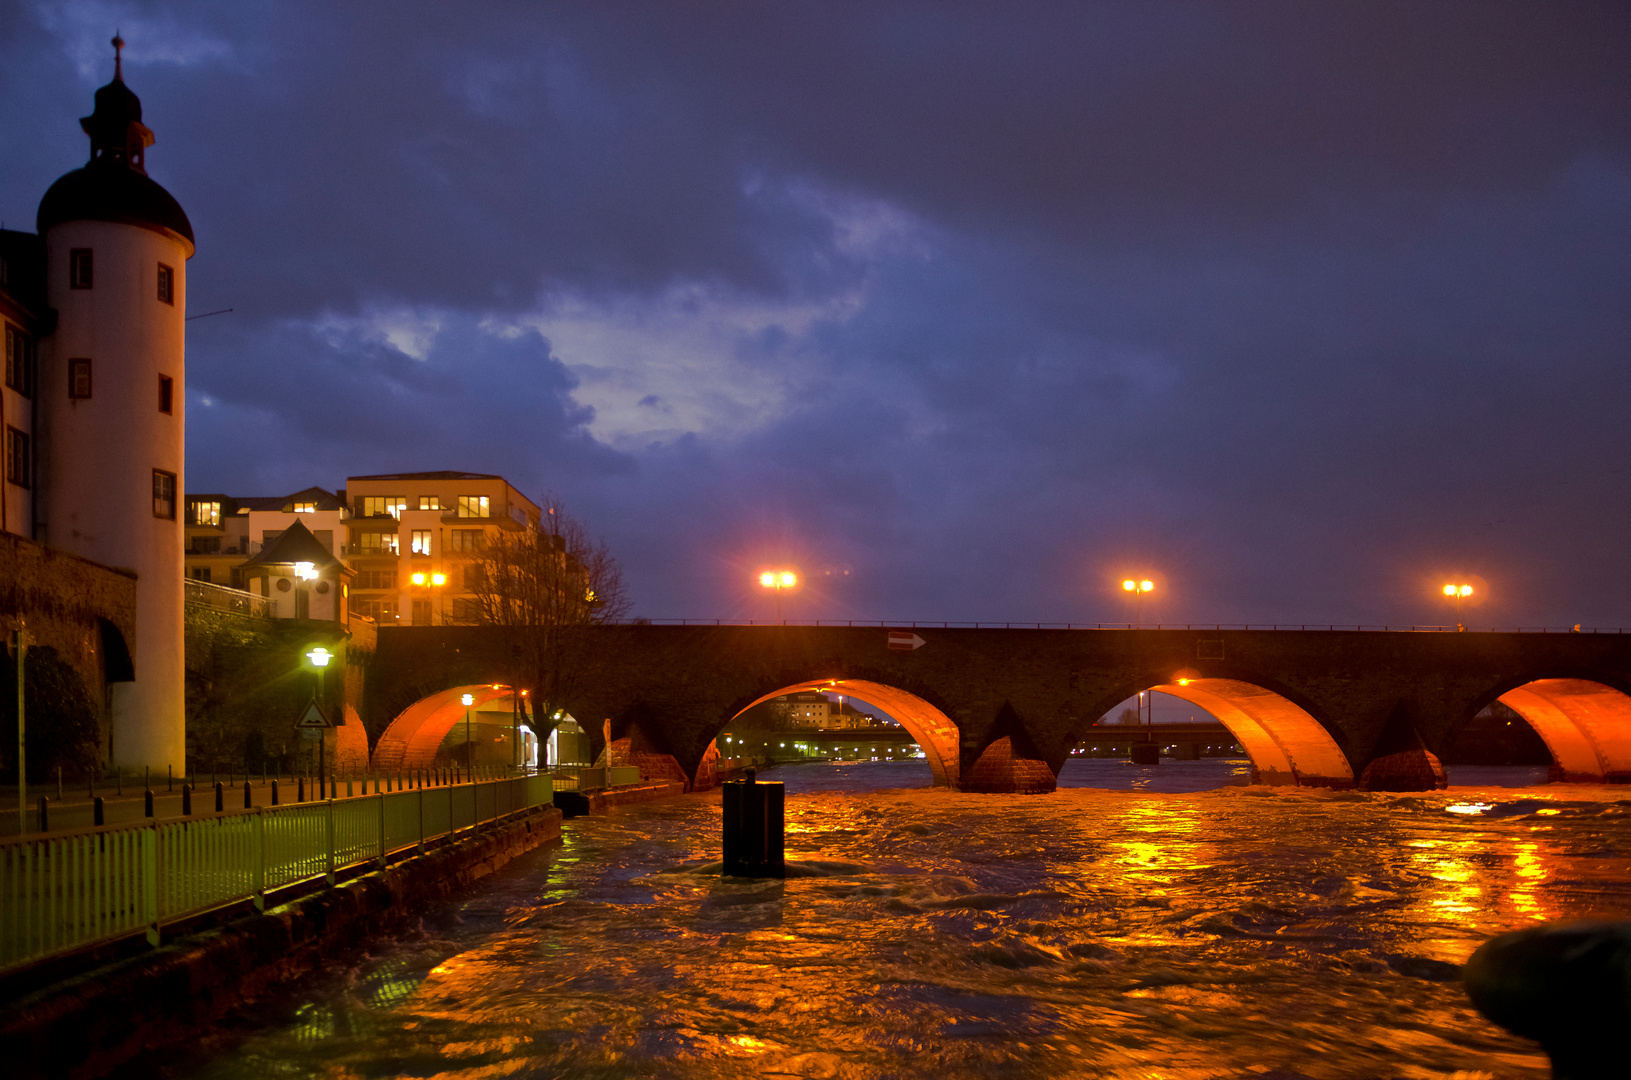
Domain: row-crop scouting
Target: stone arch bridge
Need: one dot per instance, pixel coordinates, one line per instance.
(999, 710)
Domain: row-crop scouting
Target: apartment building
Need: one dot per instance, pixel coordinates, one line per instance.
(416, 542)
(222, 531)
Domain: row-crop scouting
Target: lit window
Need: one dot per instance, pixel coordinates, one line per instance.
(472, 506)
(167, 394)
(19, 361)
(18, 470)
(79, 268)
(377, 543)
(164, 495)
(167, 285)
(206, 512)
(79, 378)
(305, 508)
(466, 540)
(384, 506)
(421, 542)
(430, 502)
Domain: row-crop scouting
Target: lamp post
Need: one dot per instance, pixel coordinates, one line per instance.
(1458, 593)
(777, 580)
(469, 755)
(319, 658)
(1137, 589)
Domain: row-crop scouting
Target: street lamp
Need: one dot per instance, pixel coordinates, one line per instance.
(467, 700)
(434, 579)
(1458, 593)
(319, 658)
(778, 580)
(1137, 589)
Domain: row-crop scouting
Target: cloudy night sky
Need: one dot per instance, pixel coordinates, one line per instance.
(966, 310)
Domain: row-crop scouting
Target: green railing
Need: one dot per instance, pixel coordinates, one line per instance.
(63, 891)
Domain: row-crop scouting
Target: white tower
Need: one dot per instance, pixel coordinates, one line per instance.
(112, 404)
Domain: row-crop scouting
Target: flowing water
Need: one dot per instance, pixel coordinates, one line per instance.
(1124, 926)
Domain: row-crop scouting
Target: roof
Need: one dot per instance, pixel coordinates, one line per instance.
(296, 545)
(284, 504)
(429, 476)
(109, 191)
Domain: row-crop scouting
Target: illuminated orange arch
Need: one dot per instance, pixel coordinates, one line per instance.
(1288, 746)
(1586, 726)
(411, 740)
(933, 729)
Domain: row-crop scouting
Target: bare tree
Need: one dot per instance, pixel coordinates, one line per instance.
(545, 586)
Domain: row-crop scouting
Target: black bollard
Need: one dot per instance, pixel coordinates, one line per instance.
(97, 817)
(1565, 985)
(220, 797)
(45, 819)
(754, 828)
(187, 799)
(147, 803)
(249, 801)
(274, 792)
(59, 783)
(300, 789)
(169, 778)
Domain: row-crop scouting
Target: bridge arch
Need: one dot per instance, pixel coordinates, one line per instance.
(1585, 724)
(411, 739)
(934, 731)
(1287, 745)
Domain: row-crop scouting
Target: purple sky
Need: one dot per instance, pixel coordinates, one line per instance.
(1301, 309)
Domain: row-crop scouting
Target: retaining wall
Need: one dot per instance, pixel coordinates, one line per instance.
(86, 1026)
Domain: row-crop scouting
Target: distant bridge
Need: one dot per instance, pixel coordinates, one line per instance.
(999, 709)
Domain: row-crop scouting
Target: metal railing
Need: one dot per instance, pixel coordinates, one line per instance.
(64, 891)
(206, 594)
(593, 777)
(1322, 627)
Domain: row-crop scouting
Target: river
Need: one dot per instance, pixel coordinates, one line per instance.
(1124, 926)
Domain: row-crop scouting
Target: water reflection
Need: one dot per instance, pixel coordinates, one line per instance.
(1119, 934)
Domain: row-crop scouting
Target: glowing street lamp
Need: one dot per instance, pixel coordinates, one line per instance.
(778, 580)
(1458, 593)
(1137, 589)
(319, 658)
(467, 700)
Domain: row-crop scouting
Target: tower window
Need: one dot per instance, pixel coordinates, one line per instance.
(79, 268)
(79, 378)
(17, 465)
(19, 361)
(167, 394)
(164, 495)
(167, 285)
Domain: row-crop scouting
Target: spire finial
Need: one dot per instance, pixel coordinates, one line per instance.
(118, 60)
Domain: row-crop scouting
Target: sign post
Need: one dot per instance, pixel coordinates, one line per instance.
(313, 724)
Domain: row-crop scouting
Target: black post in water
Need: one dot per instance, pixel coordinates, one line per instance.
(754, 828)
(187, 799)
(97, 817)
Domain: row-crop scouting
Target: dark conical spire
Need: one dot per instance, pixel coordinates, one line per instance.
(115, 127)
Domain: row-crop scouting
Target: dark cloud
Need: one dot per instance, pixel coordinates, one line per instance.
(1300, 306)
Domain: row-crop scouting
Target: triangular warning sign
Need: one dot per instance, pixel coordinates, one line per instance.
(313, 717)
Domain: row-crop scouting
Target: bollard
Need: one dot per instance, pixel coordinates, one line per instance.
(45, 821)
(249, 802)
(169, 778)
(348, 791)
(147, 803)
(1567, 986)
(220, 797)
(754, 828)
(97, 816)
(187, 799)
(300, 789)
(59, 783)
(274, 792)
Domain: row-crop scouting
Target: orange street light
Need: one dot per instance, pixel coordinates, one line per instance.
(1137, 589)
(1458, 593)
(777, 580)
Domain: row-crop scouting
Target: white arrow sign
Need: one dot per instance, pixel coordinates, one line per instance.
(905, 640)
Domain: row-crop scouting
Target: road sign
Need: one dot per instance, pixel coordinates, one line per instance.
(312, 719)
(905, 640)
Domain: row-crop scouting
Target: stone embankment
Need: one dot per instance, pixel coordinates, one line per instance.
(91, 1024)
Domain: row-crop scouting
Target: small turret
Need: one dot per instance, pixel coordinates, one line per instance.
(115, 125)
